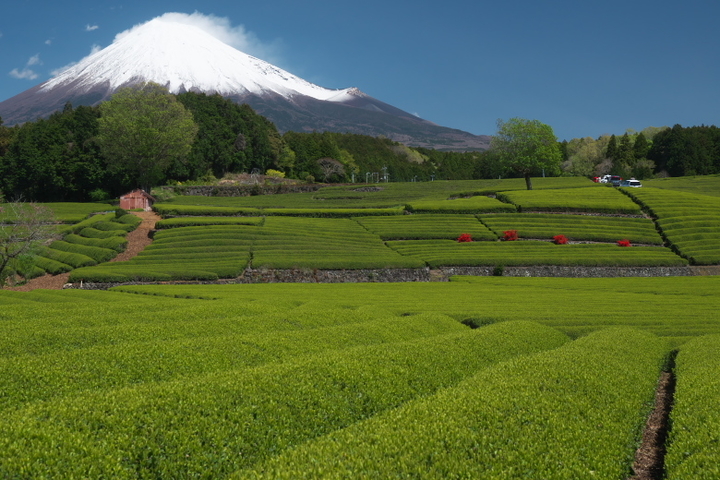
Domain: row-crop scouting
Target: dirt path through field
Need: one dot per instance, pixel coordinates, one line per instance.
(650, 457)
(138, 239)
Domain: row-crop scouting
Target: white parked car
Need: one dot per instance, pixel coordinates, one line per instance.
(631, 183)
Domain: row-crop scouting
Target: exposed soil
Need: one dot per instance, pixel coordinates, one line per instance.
(650, 457)
(138, 239)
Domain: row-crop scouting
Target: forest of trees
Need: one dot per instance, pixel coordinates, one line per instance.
(60, 158)
(662, 151)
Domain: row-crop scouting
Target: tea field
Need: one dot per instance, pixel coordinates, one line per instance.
(479, 377)
(332, 380)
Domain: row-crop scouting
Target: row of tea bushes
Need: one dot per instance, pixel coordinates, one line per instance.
(690, 222)
(598, 199)
(474, 204)
(213, 424)
(573, 412)
(426, 226)
(572, 305)
(575, 227)
(693, 441)
(437, 253)
(179, 222)
(96, 239)
(287, 242)
(189, 253)
(25, 378)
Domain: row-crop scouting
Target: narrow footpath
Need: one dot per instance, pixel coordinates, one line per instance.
(650, 456)
(138, 239)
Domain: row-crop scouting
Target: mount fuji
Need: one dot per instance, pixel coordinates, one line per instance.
(184, 57)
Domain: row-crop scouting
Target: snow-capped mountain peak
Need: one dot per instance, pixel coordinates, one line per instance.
(184, 57)
(174, 51)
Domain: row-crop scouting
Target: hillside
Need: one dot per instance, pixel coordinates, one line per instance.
(479, 376)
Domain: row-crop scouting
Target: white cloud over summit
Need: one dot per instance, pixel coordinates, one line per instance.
(222, 29)
(219, 27)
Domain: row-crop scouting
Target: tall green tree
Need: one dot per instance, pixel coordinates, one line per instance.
(526, 147)
(612, 147)
(142, 131)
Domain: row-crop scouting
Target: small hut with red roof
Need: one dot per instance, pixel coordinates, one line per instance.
(137, 199)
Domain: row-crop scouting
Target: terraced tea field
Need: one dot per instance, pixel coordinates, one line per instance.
(318, 380)
(478, 377)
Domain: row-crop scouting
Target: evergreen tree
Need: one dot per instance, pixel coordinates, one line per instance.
(612, 147)
(640, 147)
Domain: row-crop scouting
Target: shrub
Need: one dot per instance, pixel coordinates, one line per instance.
(623, 243)
(510, 235)
(560, 239)
(465, 237)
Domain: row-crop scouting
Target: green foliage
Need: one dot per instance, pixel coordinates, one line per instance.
(24, 229)
(287, 242)
(573, 412)
(526, 147)
(575, 227)
(179, 209)
(141, 132)
(74, 259)
(598, 198)
(234, 409)
(688, 221)
(231, 138)
(692, 451)
(201, 221)
(407, 227)
(681, 151)
(701, 184)
(98, 254)
(437, 253)
(474, 204)
(54, 159)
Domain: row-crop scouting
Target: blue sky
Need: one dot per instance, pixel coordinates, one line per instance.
(584, 67)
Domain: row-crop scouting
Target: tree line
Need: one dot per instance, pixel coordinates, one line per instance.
(95, 153)
(655, 151)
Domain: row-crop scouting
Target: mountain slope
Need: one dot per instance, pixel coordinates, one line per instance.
(184, 58)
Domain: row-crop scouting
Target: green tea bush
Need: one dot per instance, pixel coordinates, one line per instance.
(90, 232)
(573, 412)
(575, 227)
(50, 266)
(524, 253)
(41, 377)
(88, 222)
(213, 424)
(112, 226)
(129, 219)
(75, 260)
(203, 221)
(71, 212)
(116, 243)
(426, 226)
(332, 212)
(476, 204)
(98, 254)
(688, 221)
(167, 210)
(589, 199)
(692, 445)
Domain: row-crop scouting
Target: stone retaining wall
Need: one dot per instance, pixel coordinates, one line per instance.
(415, 275)
(244, 190)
